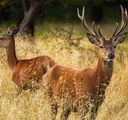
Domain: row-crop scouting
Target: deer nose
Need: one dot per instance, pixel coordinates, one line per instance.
(111, 55)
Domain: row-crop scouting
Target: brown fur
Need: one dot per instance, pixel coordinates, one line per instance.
(29, 72)
(26, 73)
(77, 88)
(82, 90)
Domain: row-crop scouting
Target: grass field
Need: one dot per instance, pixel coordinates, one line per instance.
(51, 39)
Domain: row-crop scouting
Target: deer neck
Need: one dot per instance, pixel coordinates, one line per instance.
(103, 70)
(11, 54)
(102, 74)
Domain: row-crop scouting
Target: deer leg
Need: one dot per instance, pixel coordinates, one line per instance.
(93, 109)
(54, 108)
(65, 114)
(92, 112)
(82, 109)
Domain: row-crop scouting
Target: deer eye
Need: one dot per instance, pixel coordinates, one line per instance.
(101, 46)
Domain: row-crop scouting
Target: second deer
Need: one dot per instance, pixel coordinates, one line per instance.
(84, 90)
(27, 72)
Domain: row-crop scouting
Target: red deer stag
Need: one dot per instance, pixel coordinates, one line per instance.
(84, 90)
(25, 72)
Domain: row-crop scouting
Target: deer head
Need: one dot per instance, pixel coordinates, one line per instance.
(106, 46)
(5, 40)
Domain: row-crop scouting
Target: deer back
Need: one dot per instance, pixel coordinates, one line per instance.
(33, 69)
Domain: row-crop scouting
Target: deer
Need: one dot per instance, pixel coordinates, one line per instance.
(26, 73)
(83, 90)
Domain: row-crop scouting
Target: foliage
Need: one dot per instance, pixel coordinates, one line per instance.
(13, 9)
(4, 3)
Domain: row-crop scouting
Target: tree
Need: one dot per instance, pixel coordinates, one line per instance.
(30, 8)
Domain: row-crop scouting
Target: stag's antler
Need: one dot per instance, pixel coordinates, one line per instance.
(123, 23)
(95, 29)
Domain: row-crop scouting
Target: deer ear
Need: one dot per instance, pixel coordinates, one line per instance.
(92, 38)
(119, 39)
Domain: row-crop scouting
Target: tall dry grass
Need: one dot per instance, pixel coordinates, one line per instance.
(50, 40)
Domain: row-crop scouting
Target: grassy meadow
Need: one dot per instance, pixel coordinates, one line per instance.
(68, 45)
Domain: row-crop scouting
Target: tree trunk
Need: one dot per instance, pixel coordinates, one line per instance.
(30, 8)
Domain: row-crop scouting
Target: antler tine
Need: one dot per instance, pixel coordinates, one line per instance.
(125, 11)
(100, 32)
(117, 26)
(94, 29)
(83, 12)
(124, 20)
(126, 14)
(82, 18)
(122, 13)
(94, 32)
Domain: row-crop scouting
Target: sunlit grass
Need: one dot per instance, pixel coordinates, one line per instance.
(51, 41)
